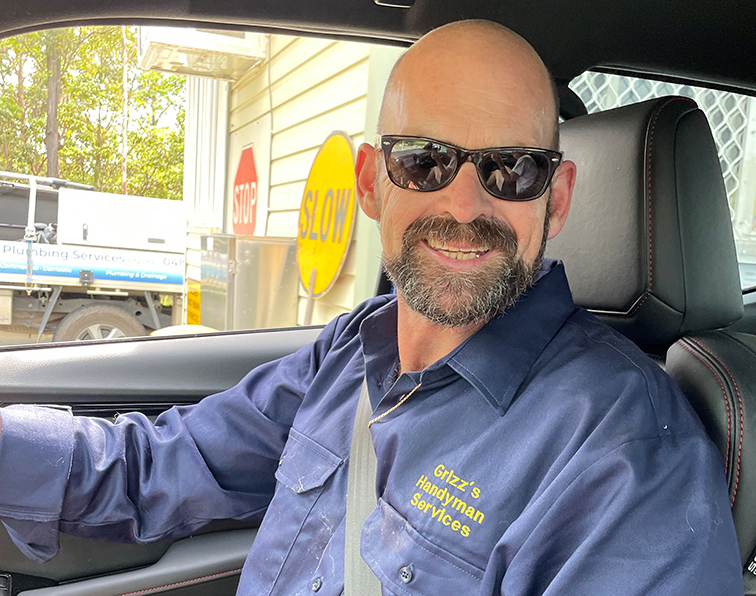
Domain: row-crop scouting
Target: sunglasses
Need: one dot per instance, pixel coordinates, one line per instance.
(509, 173)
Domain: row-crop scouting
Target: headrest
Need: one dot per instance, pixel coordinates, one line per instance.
(648, 244)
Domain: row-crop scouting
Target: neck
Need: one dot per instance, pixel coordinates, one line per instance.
(421, 342)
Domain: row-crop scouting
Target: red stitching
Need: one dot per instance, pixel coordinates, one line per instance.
(724, 396)
(648, 165)
(183, 583)
(637, 306)
(740, 406)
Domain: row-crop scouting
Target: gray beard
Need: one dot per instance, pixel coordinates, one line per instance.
(457, 299)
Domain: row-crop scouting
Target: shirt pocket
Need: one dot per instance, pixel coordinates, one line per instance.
(410, 564)
(291, 537)
(305, 465)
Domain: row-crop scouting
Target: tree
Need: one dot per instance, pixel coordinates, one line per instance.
(53, 41)
(22, 104)
(62, 112)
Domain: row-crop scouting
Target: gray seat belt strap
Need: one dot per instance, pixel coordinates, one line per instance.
(359, 579)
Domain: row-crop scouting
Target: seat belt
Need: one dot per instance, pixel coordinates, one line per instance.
(359, 579)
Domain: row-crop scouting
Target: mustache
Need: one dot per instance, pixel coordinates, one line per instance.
(483, 232)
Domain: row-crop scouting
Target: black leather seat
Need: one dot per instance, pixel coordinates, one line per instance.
(648, 247)
(717, 372)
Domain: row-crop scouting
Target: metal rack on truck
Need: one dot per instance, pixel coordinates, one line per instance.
(88, 265)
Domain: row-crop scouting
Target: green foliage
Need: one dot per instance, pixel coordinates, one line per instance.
(90, 111)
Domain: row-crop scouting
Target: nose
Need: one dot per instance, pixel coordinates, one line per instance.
(465, 199)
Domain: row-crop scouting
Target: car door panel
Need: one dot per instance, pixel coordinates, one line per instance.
(147, 375)
(139, 370)
(187, 564)
(80, 557)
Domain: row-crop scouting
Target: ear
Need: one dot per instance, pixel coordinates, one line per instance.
(364, 173)
(562, 185)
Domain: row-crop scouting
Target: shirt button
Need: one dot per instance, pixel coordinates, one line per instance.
(317, 583)
(405, 574)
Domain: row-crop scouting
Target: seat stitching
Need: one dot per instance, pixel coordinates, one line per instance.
(648, 171)
(182, 583)
(740, 406)
(727, 404)
(646, 294)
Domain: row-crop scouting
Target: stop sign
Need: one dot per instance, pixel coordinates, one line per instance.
(245, 194)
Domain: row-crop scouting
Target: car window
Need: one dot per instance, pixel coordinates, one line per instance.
(176, 181)
(732, 118)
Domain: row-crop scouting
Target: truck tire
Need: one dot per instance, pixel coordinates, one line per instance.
(97, 321)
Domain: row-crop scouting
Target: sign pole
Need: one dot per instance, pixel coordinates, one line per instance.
(326, 218)
(310, 298)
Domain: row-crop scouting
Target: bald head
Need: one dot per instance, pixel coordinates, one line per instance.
(474, 84)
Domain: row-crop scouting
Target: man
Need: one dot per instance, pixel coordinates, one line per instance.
(522, 447)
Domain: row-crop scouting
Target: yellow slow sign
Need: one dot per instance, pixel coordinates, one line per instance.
(193, 302)
(326, 216)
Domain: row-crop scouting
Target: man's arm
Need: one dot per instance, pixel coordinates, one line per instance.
(133, 480)
(650, 517)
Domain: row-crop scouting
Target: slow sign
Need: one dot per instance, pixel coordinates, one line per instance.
(245, 194)
(326, 215)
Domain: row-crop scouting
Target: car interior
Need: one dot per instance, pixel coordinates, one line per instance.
(648, 248)
(671, 280)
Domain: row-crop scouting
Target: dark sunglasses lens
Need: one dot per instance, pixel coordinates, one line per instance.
(515, 175)
(422, 165)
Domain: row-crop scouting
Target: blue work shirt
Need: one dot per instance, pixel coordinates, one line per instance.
(544, 455)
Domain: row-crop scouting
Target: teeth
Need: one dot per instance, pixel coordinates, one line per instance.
(456, 253)
(459, 255)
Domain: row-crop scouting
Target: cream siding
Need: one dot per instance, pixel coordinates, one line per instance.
(289, 104)
(310, 88)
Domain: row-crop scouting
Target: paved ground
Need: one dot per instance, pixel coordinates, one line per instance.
(14, 335)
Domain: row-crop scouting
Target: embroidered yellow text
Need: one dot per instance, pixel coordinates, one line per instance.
(450, 477)
(447, 499)
(439, 514)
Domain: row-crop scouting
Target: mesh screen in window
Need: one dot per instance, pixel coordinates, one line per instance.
(732, 118)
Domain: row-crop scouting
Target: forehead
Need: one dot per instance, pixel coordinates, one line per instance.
(471, 101)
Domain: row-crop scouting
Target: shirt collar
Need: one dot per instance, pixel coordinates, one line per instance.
(380, 350)
(515, 339)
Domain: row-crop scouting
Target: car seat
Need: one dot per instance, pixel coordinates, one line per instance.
(648, 248)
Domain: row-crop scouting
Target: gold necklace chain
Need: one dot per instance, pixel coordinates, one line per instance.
(394, 407)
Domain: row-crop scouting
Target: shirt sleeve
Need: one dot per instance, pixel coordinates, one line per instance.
(651, 517)
(133, 480)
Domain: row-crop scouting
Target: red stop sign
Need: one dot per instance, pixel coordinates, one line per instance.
(245, 194)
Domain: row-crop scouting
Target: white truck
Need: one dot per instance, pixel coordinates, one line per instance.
(82, 264)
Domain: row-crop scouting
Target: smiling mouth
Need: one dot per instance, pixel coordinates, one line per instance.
(453, 252)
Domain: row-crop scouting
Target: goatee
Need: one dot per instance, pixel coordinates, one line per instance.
(461, 298)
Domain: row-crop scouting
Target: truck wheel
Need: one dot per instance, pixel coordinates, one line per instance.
(98, 321)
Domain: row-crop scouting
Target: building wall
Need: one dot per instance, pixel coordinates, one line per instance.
(308, 88)
(290, 103)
